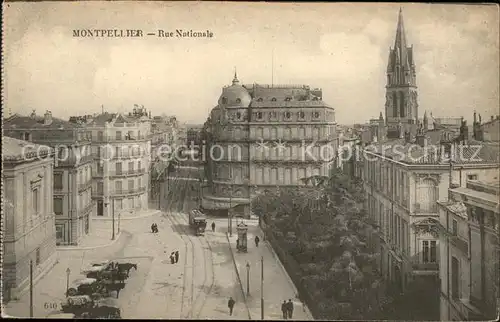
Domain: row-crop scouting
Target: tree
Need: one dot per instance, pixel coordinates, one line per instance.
(324, 227)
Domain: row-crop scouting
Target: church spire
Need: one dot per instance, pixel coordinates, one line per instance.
(400, 41)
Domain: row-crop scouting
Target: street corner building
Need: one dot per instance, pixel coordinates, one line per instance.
(72, 182)
(262, 137)
(28, 219)
(121, 150)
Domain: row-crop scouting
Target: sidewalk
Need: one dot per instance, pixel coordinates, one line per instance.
(100, 234)
(277, 284)
(49, 291)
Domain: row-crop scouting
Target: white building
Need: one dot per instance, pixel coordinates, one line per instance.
(28, 219)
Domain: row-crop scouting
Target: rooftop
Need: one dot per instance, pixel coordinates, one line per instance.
(17, 121)
(17, 150)
(474, 152)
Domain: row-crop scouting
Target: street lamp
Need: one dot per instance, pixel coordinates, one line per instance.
(68, 271)
(248, 279)
(229, 213)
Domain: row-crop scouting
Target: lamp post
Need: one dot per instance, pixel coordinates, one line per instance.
(248, 279)
(262, 288)
(229, 212)
(68, 271)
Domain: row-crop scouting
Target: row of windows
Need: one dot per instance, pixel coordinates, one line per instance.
(287, 115)
(288, 133)
(119, 135)
(131, 185)
(283, 176)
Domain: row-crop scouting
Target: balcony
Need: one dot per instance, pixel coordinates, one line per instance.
(426, 267)
(425, 209)
(123, 192)
(72, 161)
(127, 173)
(97, 193)
(127, 156)
(97, 174)
(84, 186)
(112, 139)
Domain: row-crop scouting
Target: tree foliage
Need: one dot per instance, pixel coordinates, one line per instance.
(325, 229)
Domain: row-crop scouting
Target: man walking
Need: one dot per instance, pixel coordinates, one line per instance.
(172, 258)
(230, 305)
(213, 226)
(290, 308)
(257, 240)
(284, 309)
(176, 256)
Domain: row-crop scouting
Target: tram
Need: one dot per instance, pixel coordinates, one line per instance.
(198, 221)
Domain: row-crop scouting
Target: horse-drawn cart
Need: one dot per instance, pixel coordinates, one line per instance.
(85, 286)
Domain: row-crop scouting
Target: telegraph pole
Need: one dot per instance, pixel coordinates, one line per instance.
(262, 288)
(31, 288)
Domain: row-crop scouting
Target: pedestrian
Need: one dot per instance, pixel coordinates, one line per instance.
(172, 258)
(152, 227)
(176, 256)
(230, 305)
(290, 308)
(284, 309)
(257, 240)
(213, 226)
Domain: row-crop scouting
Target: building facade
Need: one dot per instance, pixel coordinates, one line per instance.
(28, 218)
(121, 148)
(72, 172)
(264, 136)
(469, 251)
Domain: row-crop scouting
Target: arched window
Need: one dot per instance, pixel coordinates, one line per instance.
(316, 114)
(427, 196)
(288, 115)
(259, 115)
(273, 99)
(238, 100)
(238, 115)
(395, 110)
(259, 99)
(402, 104)
(301, 115)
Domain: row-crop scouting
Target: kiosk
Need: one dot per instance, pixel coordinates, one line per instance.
(241, 244)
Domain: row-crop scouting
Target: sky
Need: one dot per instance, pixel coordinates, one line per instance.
(340, 47)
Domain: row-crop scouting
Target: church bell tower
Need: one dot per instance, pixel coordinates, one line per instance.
(401, 106)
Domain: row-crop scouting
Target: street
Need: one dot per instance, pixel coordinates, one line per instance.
(197, 287)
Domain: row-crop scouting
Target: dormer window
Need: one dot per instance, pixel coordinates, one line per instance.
(259, 99)
(238, 100)
(288, 99)
(288, 115)
(273, 99)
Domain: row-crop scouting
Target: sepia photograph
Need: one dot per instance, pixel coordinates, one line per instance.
(192, 160)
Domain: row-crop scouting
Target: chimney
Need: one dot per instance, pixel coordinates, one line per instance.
(149, 114)
(47, 118)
